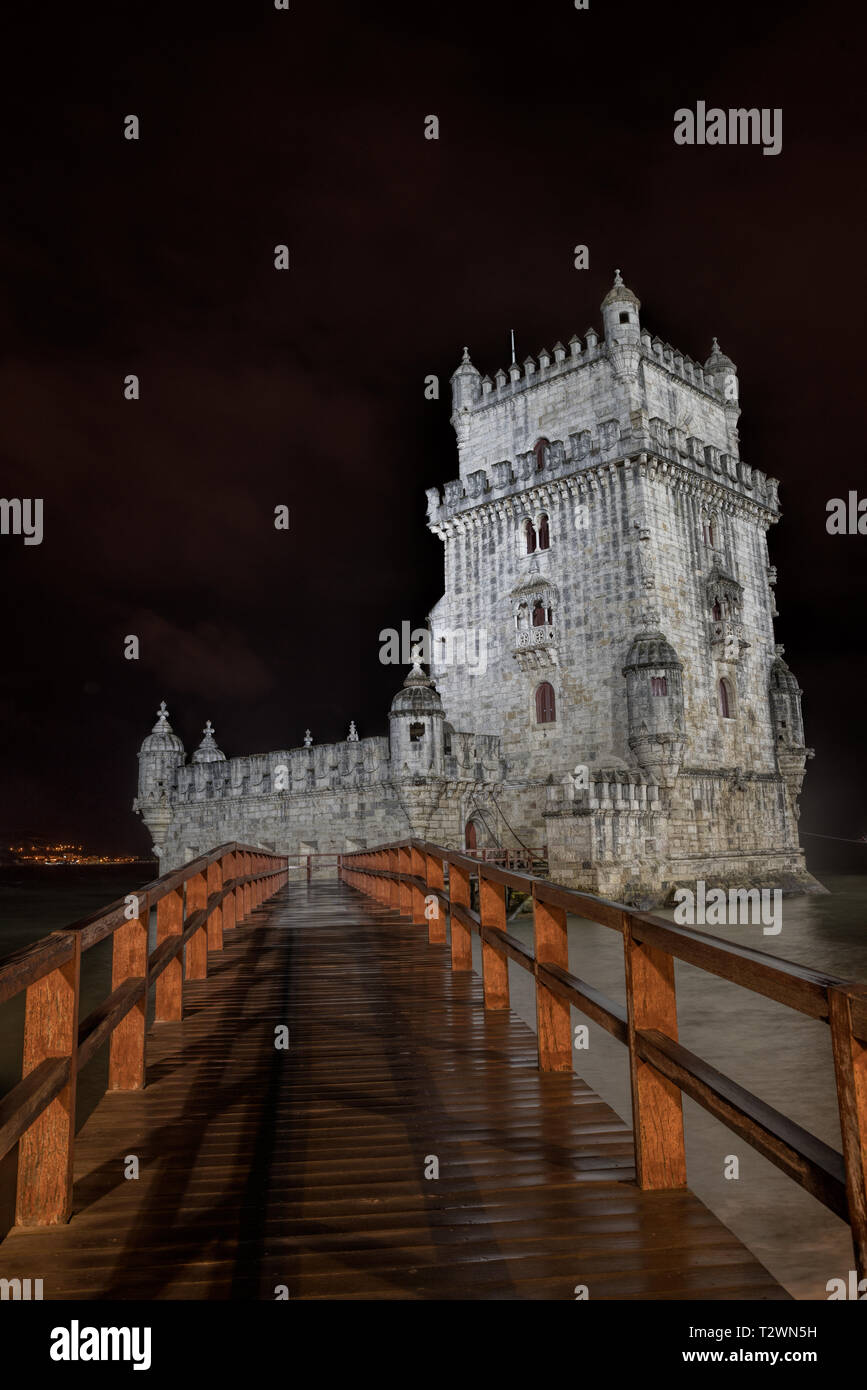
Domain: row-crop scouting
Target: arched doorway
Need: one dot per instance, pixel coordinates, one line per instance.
(470, 835)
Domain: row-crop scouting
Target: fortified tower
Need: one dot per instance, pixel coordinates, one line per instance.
(608, 543)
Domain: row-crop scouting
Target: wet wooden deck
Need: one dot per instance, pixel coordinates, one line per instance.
(306, 1168)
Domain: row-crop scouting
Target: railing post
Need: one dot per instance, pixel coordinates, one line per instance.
(45, 1149)
(197, 946)
(416, 893)
(215, 918)
(248, 887)
(495, 963)
(462, 941)
(551, 947)
(228, 871)
(436, 927)
(405, 889)
(129, 960)
(657, 1103)
(170, 984)
(393, 885)
(850, 1066)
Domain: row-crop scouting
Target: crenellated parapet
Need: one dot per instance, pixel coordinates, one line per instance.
(584, 462)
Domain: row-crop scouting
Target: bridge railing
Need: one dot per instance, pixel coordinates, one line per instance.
(410, 877)
(194, 906)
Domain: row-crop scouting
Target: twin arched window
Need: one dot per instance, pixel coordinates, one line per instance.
(659, 685)
(546, 707)
(534, 539)
(541, 614)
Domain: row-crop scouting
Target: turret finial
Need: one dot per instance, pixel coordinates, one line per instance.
(618, 278)
(715, 347)
(465, 360)
(162, 725)
(209, 729)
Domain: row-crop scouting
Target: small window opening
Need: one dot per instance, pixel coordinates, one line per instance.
(416, 733)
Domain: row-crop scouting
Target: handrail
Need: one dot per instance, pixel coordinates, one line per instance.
(194, 904)
(410, 877)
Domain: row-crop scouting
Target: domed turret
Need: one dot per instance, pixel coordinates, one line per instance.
(416, 724)
(207, 751)
(620, 320)
(724, 373)
(160, 755)
(466, 392)
(654, 697)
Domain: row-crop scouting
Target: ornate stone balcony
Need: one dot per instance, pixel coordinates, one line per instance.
(535, 647)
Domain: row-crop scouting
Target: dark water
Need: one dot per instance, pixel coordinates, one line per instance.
(778, 1054)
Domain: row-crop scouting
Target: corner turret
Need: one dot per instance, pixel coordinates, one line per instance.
(654, 697)
(620, 314)
(415, 725)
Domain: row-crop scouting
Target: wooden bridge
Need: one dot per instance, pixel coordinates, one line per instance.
(330, 1104)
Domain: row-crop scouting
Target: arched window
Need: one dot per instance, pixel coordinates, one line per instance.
(717, 611)
(539, 613)
(659, 685)
(725, 703)
(530, 536)
(544, 534)
(470, 835)
(546, 709)
(539, 450)
(523, 618)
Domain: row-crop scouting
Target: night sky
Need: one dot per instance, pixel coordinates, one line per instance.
(306, 387)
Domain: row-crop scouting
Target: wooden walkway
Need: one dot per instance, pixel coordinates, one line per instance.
(306, 1168)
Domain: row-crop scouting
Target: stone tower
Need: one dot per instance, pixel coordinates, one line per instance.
(609, 542)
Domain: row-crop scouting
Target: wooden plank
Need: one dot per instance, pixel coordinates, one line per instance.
(657, 1105)
(45, 1150)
